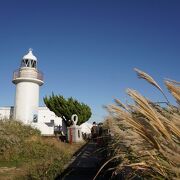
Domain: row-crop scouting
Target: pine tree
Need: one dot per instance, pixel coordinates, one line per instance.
(65, 108)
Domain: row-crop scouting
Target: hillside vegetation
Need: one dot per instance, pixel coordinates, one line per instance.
(24, 154)
(146, 134)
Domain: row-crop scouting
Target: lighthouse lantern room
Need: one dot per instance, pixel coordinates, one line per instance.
(27, 80)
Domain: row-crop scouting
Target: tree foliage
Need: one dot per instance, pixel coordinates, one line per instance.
(65, 108)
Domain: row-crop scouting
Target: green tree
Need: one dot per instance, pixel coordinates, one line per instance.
(65, 108)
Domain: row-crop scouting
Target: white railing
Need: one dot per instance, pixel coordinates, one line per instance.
(28, 74)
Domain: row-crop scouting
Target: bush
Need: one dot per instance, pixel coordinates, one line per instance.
(34, 157)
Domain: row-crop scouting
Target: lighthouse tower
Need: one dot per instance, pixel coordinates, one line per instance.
(27, 80)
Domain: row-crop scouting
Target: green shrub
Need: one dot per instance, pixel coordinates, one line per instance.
(34, 157)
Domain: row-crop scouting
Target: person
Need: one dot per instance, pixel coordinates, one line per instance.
(100, 125)
(94, 132)
(100, 134)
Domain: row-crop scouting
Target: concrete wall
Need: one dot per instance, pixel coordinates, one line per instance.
(6, 112)
(49, 119)
(45, 115)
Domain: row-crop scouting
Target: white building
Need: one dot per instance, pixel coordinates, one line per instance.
(28, 79)
(46, 123)
(86, 128)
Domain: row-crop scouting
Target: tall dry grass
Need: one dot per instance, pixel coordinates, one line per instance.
(146, 135)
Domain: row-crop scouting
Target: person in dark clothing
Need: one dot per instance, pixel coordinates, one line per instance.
(100, 125)
(94, 131)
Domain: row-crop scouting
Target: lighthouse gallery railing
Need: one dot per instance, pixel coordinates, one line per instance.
(36, 75)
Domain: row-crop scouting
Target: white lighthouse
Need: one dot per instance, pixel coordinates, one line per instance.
(27, 80)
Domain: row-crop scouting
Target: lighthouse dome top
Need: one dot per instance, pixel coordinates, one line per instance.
(30, 55)
(29, 60)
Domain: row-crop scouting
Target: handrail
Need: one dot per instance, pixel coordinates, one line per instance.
(27, 74)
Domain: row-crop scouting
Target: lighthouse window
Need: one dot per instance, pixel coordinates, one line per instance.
(33, 64)
(35, 118)
(28, 64)
(25, 63)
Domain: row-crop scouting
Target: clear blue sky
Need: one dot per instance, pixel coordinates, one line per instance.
(87, 49)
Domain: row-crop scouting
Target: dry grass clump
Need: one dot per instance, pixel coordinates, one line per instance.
(174, 89)
(147, 135)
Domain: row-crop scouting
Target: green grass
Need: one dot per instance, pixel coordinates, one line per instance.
(10, 164)
(30, 155)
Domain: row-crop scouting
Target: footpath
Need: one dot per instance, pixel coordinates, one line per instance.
(85, 164)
